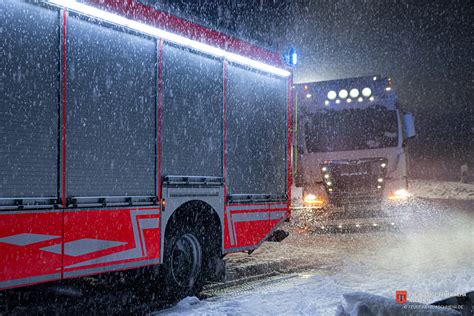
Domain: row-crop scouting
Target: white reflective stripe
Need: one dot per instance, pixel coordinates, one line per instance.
(249, 217)
(25, 239)
(29, 280)
(155, 32)
(75, 273)
(256, 207)
(277, 215)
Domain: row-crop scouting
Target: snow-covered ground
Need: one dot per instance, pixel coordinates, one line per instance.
(431, 257)
(429, 189)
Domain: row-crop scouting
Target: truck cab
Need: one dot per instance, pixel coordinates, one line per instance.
(350, 139)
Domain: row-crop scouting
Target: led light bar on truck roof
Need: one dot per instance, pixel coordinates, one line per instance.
(156, 32)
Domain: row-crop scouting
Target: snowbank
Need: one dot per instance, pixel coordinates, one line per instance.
(365, 304)
(430, 189)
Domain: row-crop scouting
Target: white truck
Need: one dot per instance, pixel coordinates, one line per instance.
(349, 149)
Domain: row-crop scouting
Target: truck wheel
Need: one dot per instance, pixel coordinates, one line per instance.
(182, 268)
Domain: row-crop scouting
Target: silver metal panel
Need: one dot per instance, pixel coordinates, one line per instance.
(192, 114)
(29, 87)
(257, 130)
(111, 111)
(177, 196)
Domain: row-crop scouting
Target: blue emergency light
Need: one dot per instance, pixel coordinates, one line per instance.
(291, 58)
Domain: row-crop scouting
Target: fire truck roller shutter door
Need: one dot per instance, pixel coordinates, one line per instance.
(29, 86)
(111, 111)
(192, 113)
(256, 132)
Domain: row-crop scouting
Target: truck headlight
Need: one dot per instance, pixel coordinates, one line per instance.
(312, 199)
(400, 194)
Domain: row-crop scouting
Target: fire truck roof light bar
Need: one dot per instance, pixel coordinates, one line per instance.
(155, 32)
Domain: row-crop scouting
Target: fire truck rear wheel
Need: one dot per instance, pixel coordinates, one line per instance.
(182, 269)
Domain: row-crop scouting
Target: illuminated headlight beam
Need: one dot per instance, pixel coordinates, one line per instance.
(155, 32)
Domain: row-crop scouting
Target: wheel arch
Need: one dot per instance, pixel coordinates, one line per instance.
(205, 211)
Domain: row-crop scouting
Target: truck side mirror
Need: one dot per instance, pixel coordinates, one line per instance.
(409, 123)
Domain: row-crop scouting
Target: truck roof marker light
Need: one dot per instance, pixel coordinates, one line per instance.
(366, 92)
(332, 95)
(343, 94)
(360, 99)
(175, 38)
(354, 93)
(349, 100)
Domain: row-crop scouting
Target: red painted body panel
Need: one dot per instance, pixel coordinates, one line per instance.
(28, 232)
(32, 243)
(250, 233)
(250, 224)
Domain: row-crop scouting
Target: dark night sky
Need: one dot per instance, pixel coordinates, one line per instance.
(427, 47)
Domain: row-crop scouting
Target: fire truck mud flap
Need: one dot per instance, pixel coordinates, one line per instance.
(278, 235)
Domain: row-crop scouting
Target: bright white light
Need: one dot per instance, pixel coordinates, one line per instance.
(371, 98)
(343, 94)
(338, 101)
(366, 92)
(354, 93)
(324, 169)
(326, 102)
(308, 95)
(330, 189)
(374, 224)
(329, 183)
(360, 99)
(383, 165)
(388, 88)
(379, 187)
(155, 32)
(402, 193)
(375, 78)
(332, 95)
(380, 180)
(326, 176)
(256, 64)
(349, 100)
(393, 224)
(357, 225)
(340, 226)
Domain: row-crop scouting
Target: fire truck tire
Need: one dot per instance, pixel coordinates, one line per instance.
(183, 263)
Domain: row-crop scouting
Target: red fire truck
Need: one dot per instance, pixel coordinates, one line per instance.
(130, 138)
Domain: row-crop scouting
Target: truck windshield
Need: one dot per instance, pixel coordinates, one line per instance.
(351, 129)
